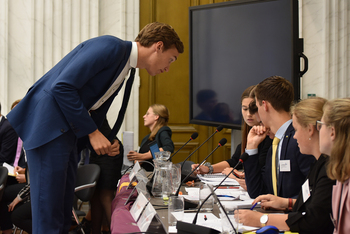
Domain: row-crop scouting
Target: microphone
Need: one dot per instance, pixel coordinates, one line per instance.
(189, 228)
(221, 143)
(193, 136)
(218, 129)
(181, 226)
(243, 157)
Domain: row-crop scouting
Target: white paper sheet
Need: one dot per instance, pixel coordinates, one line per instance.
(9, 168)
(128, 143)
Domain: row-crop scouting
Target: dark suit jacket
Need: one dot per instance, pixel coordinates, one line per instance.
(60, 100)
(289, 183)
(313, 215)
(8, 142)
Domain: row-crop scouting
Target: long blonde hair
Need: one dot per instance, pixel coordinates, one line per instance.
(337, 115)
(163, 113)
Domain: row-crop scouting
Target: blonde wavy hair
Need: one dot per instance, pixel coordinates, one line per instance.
(308, 111)
(337, 115)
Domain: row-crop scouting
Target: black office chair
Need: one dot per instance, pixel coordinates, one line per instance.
(87, 177)
(3, 179)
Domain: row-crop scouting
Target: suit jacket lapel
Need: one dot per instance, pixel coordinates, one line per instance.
(285, 143)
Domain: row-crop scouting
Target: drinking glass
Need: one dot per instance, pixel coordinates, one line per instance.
(175, 210)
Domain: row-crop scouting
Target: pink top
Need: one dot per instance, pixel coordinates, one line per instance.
(341, 207)
(18, 152)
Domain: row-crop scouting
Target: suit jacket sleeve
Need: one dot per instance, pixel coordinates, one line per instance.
(91, 59)
(8, 141)
(313, 215)
(254, 170)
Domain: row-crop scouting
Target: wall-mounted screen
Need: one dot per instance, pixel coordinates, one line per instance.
(234, 45)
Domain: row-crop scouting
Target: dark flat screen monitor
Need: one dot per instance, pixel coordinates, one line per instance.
(234, 45)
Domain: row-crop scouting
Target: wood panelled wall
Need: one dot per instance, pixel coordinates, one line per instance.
(172, 88)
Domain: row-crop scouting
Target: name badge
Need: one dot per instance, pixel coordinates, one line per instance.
(284, 165)
(306, 190)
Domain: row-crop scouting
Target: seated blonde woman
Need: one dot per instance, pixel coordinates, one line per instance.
(156, 119)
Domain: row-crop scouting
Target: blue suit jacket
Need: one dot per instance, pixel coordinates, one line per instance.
(259, 181)
(60, 100)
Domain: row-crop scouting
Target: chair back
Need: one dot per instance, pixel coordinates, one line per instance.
(3, 179)
(87, 177)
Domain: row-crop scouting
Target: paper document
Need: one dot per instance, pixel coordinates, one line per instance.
(215, 179)
(128, 143)
(9, 168)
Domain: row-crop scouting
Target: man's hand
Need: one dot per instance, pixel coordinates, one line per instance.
(114, 148)
(21, 178)
(100, 143)
(19, 170)
(255, 136)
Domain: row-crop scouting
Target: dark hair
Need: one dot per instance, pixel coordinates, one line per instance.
(0, 107)
(247, 93)
(278, 91)
(154, 32)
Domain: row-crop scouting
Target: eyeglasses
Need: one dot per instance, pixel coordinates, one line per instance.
(319, 125)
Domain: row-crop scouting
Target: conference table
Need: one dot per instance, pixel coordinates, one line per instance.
(122, 220)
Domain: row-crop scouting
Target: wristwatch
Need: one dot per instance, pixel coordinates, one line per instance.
(263, 219)
(208, 164)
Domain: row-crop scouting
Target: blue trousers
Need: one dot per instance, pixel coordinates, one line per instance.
(53, 168)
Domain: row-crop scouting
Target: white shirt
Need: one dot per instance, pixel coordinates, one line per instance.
(280, 135)
(132, 62)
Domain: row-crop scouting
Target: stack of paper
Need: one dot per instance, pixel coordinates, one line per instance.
(215, 179)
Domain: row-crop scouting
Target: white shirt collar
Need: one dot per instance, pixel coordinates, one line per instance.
(281, 131)
(133, 55)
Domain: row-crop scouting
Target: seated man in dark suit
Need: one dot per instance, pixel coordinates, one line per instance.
(8, 141)
(286, 168)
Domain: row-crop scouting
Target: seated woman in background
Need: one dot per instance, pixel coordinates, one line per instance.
(334, 141)
(250, 118)
(156, 119)
(310, 211)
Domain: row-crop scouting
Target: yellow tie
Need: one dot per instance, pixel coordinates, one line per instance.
(274, 170)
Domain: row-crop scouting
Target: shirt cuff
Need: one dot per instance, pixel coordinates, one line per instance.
(19, 198)
(251, 151)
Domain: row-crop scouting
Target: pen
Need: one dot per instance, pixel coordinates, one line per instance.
(225, 196)
(253, 206)
(227, 187)
(201, 165)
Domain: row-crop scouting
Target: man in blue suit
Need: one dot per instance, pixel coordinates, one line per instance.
(274, 97)
(70, 102)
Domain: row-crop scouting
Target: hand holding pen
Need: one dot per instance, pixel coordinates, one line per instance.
(271, 201)
(200, 170)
